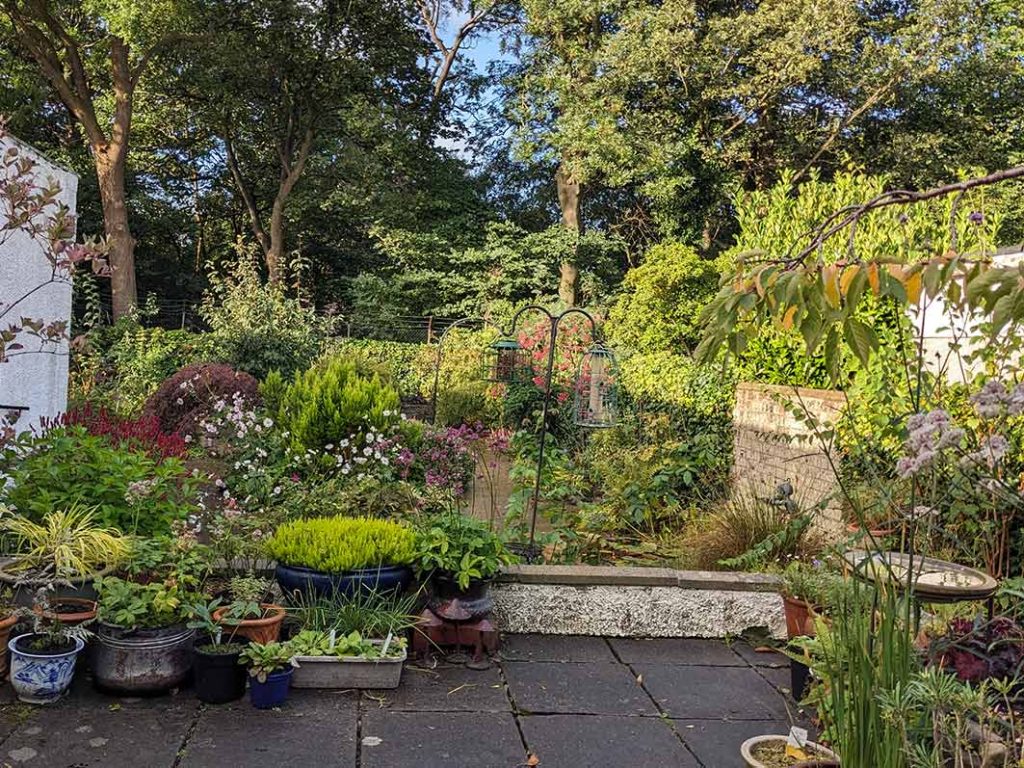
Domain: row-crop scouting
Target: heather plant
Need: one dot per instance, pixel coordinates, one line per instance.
(341, 543)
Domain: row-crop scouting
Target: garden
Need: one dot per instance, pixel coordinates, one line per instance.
(613, 400)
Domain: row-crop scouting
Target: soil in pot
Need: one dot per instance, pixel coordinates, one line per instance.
(770, 752)
(71, 611)
(219, 678)
(773, 755)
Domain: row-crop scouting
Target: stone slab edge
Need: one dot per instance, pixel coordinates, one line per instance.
(635, 611)
(595, 575)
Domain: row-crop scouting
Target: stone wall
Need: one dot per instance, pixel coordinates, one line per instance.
(771, 445)
(36, 385)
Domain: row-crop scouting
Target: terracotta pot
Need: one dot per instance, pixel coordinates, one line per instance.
(799, 617)
(6, 625)
(262, 631)
(71, 611)
(878, 533)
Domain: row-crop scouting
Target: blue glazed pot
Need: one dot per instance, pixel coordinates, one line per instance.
(306, 581)
(273, 691)
(42, 678)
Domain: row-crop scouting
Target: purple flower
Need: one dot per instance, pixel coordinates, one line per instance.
(976, 217)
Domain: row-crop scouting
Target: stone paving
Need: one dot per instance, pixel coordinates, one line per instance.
(554, 702)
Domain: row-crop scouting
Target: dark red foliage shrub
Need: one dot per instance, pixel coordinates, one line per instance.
(189, 396)
(141, 434)
(978, 650)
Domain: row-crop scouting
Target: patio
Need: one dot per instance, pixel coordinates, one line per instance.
(568, 701)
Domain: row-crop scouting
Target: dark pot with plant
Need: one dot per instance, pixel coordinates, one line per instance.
(339, 556)
(270, 673)
(142, 642)
(216, 669)
(458, 557)
(43, 660)
(248, 616)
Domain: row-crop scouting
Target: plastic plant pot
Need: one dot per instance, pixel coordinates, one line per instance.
(273, 692)
(219, 678)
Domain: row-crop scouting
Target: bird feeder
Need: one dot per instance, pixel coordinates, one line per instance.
(595, 400)
(504, 360)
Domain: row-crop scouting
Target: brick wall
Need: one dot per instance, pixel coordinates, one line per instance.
(772, 445)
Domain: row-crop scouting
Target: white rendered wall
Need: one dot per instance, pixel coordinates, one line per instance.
(38, 381)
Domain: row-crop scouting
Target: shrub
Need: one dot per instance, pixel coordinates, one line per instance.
(331, 402)
(131, 605)
(463, 548)
(256, 328)
(658, 307)
(396, 362)
(191, 395)
(335, 544)
(141, 434)
(66, 466)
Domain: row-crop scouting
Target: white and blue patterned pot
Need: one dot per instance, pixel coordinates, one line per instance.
(39, 678)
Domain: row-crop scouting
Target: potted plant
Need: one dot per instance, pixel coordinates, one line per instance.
(270, 672)
(142, 642)
(247, 613)
(804, 593)
(218, 673)
(332, 660)
(43, 660)
(330, 556)
(65, 553)
(10, 618)
(769, 751)
(457, 557)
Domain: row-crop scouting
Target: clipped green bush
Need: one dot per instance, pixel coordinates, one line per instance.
(335, 544)
(332, 402)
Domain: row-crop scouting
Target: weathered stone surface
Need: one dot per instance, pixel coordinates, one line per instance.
(312, 728)
(596, 689)
(88, 730)
(439, 740)
(446, 689)
(576, 741)
(564, 648)
(618, 611)
(760, 658)
(597, 575)
(687, 651)
(737, 693)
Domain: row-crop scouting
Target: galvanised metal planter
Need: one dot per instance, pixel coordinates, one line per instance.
(141, 660)
(42, 678)
(306, 581)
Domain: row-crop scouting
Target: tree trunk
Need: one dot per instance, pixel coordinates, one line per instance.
(275, 253)
(121, 244)
(569, 202)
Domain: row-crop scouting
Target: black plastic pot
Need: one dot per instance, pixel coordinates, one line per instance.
(138, 661)
(305, 581)
(449, 601)
(219, 678)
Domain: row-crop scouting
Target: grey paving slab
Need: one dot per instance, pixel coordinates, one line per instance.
(440, 740)
(445, 689)
(670, 650)
(597, 689)
(312, 728)
(712, 692)
(589, 741)
(716, 743)
(780, 679)
(760, 658)
(90, 730)
(569, 648)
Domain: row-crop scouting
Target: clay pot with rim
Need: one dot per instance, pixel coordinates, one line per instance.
(6, 625)
(876, 533)
(266, 629)
(70, 611)
(799, 617)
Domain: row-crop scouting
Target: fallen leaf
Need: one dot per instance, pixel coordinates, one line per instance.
(640, 679)
(532, 760)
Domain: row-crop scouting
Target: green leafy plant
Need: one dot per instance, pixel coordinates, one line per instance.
(459, 547)
(131, 605)
(367, 612)
(267, 658)
(814, 583)
(320, 644)
(65, 545)
(336, 544)
(211, 629)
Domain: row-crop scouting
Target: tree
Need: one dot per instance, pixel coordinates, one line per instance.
(323, 71)
(94, 54)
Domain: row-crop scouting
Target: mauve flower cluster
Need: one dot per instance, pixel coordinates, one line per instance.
(929, 435)
(447, 457)
(993, 400)
(990, 452)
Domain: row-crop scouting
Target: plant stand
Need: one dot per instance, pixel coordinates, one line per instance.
(434, 632)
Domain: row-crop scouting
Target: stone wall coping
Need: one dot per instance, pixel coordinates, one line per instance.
(634, 576)
(789, 390)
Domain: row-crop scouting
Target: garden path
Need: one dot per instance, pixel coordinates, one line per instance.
(572, 702)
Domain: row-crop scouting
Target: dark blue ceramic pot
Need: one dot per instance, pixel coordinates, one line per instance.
(273, 691)
(307, 582)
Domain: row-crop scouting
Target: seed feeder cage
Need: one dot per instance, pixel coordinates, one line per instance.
(504, 360)
(595, 401)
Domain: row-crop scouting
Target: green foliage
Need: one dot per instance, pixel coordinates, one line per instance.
(255, 327)
(132, 605)
(264, 659)
(459, 547)
(66, 466)
(351, 645)
(660, 301)
(332, 402)
(814, 583)
(398, 363)
(337, 544)
(783, 541)
(367, 612)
